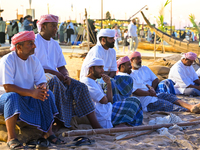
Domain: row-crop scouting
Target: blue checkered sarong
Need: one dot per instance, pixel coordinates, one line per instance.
(166, 86)
(32, 111)
(128, 111)
(165, 102)
(125, 108)
(72, 100)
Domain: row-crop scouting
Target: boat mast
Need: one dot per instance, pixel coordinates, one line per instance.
(87, 24)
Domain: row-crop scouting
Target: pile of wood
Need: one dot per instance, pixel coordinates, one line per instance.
(4, 50)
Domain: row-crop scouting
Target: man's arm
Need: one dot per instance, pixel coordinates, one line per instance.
(65, 73)
(109, 94)
(155, 83)
(58, 74)
(193, 86)
(140, 92)
(40, 94)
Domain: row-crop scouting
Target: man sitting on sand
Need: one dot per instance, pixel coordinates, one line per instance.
(110, 110)
(184, 76)
(104, 50)
(20, 72)
(72, 97)
(144, 89)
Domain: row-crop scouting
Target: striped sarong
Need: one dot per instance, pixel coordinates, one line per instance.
(126, 109)
(166, 86)
(72, 100)
(32, 111)
(165, 102)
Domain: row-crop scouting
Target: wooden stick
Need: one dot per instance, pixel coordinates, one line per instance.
(135, 135)
(125, 129)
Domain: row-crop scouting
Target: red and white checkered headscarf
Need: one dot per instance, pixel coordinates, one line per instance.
(190, 55)
(122, 60)
(21, 37)
(46, 18)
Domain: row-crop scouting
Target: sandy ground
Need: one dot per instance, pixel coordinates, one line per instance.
(186, 139)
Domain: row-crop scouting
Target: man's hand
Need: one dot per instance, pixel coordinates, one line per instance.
(106, 79)
(40, 94)
(67, 80)
(152, 92)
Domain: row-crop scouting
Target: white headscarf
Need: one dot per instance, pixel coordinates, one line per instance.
(105, 33)
(93, 62)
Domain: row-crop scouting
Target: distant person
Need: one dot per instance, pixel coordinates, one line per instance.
(35, 30)
(61, 32)
(117, 35)
(28, 25)
(80, 30)
(21, 24)
(173, 34)
(2, 30)
(70, 32)
(132, 31)
(126, 43)
(15, 29)
(71, 25)
(9, 32)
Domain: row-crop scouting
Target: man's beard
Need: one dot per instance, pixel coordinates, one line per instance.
(96, 74)
(109, 45)
(137, 65)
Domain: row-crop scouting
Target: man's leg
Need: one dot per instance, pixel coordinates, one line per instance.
(191, 91)
(10, 126)
(131, 43)
(136, 43)
(175, 100)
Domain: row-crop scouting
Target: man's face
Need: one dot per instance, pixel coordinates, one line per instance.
(27, 48)
(110, 41)
(127, 67)
(97, 71)
(136, 62)
(51, 28)
(187, 62)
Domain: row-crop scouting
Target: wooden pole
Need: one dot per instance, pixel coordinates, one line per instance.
(88, 36)
(171, 18)
(155, 47)
(101, 14)
(125, 129)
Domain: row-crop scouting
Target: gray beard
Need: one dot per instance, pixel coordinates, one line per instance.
(137, 66)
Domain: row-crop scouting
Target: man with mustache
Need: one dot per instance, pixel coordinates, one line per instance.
(104, 50)
(144, 84)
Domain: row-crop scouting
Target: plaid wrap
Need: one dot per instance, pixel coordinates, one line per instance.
(166, 86)
(127, 111)
(165, 102)
(32, 111)
(125, 108)
(72, 100)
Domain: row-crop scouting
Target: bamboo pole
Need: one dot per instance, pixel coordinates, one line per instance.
(155, 47)
(88, 37)
(125, 129)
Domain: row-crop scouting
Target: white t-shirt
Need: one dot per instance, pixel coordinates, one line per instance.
(139, 82)
(132, 30)
(23, 73)
(145, 74)
(49, 53)
(109, 57)
(198, 72)
(103, 111)
(122, 74)
(182, 76)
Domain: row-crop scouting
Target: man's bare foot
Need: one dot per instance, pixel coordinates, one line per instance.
(122, 125)
(195, 108)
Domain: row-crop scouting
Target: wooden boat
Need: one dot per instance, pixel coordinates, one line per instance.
(178, 44)
(4, 50)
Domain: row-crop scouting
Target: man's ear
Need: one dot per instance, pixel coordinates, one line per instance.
(43, 27)
(19, 47)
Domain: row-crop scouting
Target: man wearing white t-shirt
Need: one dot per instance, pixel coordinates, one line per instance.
(20, 72)
(144, 90)
(104, 50)
(111, 111)
(72, 97)
(184, 76)
(132, 32)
